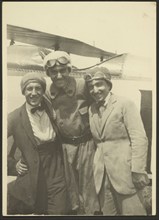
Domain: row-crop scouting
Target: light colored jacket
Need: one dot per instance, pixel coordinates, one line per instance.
(121, 143)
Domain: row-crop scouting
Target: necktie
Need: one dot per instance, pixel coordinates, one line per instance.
(40, 108)
(100, 103)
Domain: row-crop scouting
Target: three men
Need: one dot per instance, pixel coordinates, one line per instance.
(42, 189)
(120, 158)
(110, 184)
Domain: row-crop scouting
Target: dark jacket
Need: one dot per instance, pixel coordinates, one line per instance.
(24, 188)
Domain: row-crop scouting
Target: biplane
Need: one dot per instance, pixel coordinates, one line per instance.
(131, 75)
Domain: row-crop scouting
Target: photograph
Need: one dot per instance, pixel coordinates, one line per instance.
(79, 108)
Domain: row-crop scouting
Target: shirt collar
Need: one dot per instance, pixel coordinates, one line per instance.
(69, 89)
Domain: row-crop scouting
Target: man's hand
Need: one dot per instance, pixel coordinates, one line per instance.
(140, 179)
(21, 168)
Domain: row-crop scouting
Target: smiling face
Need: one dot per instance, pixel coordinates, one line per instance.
(98, 89)
(58, 75)
(34, 93)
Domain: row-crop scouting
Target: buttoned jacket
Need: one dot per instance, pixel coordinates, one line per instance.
(121, 143)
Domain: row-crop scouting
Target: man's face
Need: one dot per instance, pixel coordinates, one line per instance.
(34, 93)
(98, 89)
(58, 75)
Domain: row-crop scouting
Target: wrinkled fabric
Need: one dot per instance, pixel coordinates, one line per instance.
(52, 194)
(71, 107)
(121, 140)
(80, 178)
(45, 173)
(121, 149)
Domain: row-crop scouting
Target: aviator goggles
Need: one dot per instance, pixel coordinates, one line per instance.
(60, 60)
(98, 75)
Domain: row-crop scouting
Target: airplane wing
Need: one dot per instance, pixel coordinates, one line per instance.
(51, 41)
(21, 58)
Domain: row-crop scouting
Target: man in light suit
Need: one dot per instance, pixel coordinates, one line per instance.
(41, 189)
(120, 158)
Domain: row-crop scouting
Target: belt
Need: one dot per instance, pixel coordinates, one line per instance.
(77, 140)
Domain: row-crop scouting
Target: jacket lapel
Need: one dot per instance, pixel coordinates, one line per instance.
(26, 125)
(108, 110)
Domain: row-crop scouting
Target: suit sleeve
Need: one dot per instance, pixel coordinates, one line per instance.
(137, 136)
(11, 161)
(11, 122)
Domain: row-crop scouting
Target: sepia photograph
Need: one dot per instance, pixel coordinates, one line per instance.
(79, 108)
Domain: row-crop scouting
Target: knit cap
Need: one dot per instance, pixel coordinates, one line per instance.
(32, 77)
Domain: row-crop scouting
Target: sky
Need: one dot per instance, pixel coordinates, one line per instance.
(120, 27)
